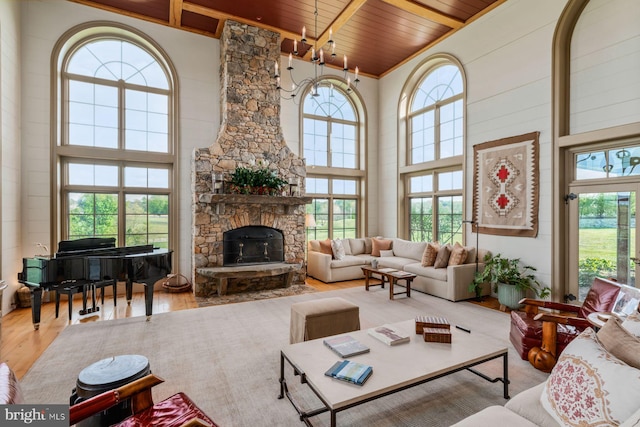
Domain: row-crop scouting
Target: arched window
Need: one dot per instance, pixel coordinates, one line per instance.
(431, 164)
(332, 143)
(116, 139)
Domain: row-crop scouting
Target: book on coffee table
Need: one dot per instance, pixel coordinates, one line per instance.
(352, 372)
(389, 335)
(387, 270)
(346, 346)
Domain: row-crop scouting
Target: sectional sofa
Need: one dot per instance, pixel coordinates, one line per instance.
(450, 282)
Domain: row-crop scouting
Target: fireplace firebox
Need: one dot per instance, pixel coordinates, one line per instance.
(252, 245)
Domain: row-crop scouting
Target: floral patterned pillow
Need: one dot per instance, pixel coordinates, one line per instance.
(589, 386)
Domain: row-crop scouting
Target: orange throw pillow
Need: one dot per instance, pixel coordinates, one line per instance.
(325, 247)
(430, 254)
(458, 255)
(378, 245)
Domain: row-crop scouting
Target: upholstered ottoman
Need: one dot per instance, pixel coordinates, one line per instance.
(322, 318)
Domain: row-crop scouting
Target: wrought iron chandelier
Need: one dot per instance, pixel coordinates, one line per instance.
(318, 61)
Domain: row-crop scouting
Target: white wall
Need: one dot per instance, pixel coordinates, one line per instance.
(10, 215)
(506, 56)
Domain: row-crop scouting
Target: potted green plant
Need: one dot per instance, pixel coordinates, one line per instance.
(261, 180)
(510, 279)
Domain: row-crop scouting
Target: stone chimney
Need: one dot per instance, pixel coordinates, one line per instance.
(250, 133)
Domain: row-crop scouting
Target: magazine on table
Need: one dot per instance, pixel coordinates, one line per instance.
(387, 270)
(389, 335)
(346, 346)
(352, 372)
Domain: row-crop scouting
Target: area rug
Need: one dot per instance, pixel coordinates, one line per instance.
(255, 296)
(226, 358)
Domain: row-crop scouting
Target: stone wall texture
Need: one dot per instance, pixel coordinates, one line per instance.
(250, 134)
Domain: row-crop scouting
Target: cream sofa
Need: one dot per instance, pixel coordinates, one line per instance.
(595, 382)
(451, 283)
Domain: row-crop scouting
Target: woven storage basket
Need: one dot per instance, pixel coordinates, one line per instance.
(176, 283)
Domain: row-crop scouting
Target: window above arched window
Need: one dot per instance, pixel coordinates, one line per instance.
(436, 116)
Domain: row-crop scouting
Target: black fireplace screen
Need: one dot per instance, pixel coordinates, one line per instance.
(252, 245)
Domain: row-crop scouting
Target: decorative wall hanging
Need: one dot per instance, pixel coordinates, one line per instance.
(505, 186)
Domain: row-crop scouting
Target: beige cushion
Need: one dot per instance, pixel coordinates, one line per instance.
(471, 254)
(430, 254)
(368, 245)
(357, 246)
(347, 246)
(620, 342)
(407, 249)
(458, 255)
(337, 249)
(494, 416)
(590, 386)
(325, 247)
(380, 244)
(442, 259)
(314, 245)
(632, 324)
(386, 253)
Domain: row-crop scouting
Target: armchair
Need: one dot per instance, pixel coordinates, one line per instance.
(541, 335)
(175, 411)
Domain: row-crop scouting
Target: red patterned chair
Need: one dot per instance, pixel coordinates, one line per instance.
(175, 411)
(549, 332)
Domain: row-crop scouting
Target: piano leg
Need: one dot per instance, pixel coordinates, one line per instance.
(128, 289)
(36, 305)
(148, 299)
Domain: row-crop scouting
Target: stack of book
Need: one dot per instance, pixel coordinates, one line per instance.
(346, 346)
(352, 372)
(389, 335)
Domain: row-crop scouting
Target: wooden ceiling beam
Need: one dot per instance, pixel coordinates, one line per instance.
(175, 13)
(340, 21)
(427, 13)
(216, 14)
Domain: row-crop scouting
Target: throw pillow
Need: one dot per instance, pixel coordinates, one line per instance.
(458, 255)
(442, 259)
(357, 246)
(430, 254)
(620, 342)
(368, 245)
(471, 254)
(386, 253)
(325, 247)
(632, 324)
(378, 245)
(314, 245)
(589, 386)
(338, 249)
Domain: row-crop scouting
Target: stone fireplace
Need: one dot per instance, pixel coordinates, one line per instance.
(250, 134)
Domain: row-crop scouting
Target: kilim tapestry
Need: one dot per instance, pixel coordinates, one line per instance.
(505, 186)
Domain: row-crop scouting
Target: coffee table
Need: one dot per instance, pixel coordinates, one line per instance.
(389, 275)
(311, 359)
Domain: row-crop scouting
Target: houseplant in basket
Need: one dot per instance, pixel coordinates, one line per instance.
(510, 279)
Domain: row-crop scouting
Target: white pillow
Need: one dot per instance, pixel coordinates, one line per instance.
(338, 249)
(589, 386)
(386, 253)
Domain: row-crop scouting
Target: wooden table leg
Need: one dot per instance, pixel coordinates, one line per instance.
(408, 287)
(367, 274)
(392, 281)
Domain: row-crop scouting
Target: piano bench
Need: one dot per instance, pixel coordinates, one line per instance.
(103, 284)
(69, 289)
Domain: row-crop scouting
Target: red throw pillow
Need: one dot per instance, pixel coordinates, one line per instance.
(378, 245)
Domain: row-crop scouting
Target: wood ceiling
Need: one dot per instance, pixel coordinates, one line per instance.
(376, 35)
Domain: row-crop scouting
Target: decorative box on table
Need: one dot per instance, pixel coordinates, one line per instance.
(437, 335)
(431, 322)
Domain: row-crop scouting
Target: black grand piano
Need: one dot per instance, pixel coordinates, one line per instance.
(92, 260)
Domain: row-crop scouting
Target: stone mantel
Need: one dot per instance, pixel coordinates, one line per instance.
(219, 200)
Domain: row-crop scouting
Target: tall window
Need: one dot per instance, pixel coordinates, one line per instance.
(116, 148)
(332, 143)
(433, 164)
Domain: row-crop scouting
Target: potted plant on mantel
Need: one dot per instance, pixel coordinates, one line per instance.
(261, 180)
(510, 280)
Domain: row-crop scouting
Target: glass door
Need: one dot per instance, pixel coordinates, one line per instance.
(602, 235)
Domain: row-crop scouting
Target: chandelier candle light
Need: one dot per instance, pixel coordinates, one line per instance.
(318, 60)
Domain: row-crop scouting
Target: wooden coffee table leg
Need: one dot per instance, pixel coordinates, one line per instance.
(367, 274)
(392, 281)
(409, 287)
